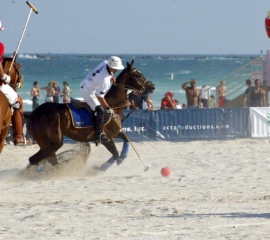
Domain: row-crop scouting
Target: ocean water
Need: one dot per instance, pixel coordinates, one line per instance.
(168, 72)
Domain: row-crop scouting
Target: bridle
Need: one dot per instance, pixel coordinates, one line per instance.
(128, 87)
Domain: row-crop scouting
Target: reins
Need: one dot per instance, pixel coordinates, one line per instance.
(126, 88)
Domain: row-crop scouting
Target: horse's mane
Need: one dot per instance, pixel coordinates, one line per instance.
(12, 68)
(117, 95)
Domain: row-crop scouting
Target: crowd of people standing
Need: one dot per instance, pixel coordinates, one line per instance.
(53, 93)
(255, 96)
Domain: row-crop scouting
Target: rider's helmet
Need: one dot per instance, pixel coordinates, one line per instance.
(115, 63)
(1, 27)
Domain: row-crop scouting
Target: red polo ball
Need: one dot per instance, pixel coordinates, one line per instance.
(165, 172)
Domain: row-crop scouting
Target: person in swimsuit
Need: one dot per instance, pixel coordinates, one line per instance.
(49, 92)
(66, 93)
(257, 95)
(192, 94)
(221, 93)
(35, 95)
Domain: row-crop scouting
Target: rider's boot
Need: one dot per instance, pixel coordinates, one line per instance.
(100, 136)
(18, 136)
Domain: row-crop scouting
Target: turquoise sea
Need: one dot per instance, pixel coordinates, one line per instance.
(168, 72)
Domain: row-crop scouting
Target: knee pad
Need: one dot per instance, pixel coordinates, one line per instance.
(16, 105)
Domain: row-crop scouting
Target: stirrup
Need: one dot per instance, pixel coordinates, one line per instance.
(102, 138)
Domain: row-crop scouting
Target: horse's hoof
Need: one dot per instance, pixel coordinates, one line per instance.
(105, 166)
(29, 166)
(22, 142)
(39, 169)
(119, 161)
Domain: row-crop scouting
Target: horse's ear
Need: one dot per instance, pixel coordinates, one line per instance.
(129, 65)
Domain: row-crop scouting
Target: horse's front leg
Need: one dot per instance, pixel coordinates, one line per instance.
(125, 147)
(115, 155)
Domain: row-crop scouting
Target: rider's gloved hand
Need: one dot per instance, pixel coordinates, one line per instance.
(6, 78)
(110, 111)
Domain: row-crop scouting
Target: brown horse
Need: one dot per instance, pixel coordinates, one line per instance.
(50, 122)
(12, 68)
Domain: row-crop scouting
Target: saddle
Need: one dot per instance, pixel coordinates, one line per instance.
(79, 104)
(82, 115)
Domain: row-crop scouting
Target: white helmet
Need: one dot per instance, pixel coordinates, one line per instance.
(115, 63)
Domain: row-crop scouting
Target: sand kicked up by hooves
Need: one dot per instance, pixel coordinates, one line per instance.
(216, 190)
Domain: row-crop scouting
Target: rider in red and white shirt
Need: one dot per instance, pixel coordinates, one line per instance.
(93, 89)
(14, 100)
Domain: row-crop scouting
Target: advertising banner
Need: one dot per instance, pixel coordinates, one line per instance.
(260, 122)
(180, 124)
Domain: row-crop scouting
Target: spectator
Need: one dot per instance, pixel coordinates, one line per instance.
(247, 94)
(257, 95)
(57, 92)
(136, 100)
(192, 94)
(66, 93)
(205, 95)
(212, 101)
(221, 93)
(35, 93)
(49, 92)
(177, 104)
(266, 89)
(147, 102)
(168, 102)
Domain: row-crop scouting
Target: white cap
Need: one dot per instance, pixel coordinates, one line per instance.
(1, 28)
(115, 63)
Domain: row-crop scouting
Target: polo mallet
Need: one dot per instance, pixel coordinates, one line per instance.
(146, 166)
(32, 8)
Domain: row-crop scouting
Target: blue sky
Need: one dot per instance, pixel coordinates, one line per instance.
(136, 26)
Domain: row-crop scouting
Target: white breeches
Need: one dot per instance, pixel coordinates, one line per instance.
(90, 98)
(11, 95)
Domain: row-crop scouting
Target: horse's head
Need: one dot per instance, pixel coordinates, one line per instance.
(12, 68)
(129, 79)
(132, 79)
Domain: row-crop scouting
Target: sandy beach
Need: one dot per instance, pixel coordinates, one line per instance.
(216, 190)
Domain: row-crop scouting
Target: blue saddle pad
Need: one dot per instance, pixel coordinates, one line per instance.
(80, 116)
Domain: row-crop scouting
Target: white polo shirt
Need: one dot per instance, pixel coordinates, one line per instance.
(99, 80)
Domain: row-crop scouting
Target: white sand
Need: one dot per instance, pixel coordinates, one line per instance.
(217, 190)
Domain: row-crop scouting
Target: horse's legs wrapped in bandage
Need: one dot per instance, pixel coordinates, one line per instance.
(125, 150)
(17, 121)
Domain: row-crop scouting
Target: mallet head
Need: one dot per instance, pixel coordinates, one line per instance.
(147, 168)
